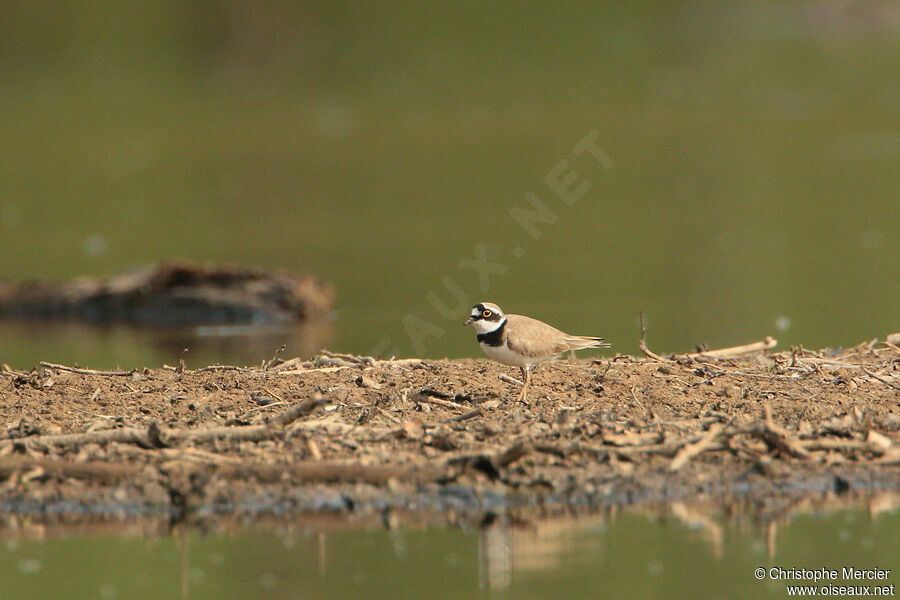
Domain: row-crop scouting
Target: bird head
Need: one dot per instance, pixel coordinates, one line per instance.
(485, 316)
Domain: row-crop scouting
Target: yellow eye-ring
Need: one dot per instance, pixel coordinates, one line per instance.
(486, 314)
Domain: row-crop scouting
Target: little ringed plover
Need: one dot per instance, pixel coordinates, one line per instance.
(521, 341)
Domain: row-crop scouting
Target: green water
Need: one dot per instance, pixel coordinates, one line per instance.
(741, 180)
(748, 184)
(627, 556)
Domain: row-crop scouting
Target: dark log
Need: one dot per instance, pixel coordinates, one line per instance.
(173, 293)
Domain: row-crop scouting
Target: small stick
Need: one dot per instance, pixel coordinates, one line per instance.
(353, 358)
(153, 437)
(99, 416)
(734, 351)
(103, 471)
(5, 369)
(288, 364)
(636, 401)
(220, 368)
(629, 438)
(250, 433)
(466, 416)
(125, 434)
(757, 375)
(273, 394)
(775, 435)
(399, 362)
(314, 370)
(389, 416)
(643, 343)
(313, 449)
(302, 409)
(274, 358)
(829, 444)
(881, 379)
(510, 455)
(690, 451)
(268, 365)
(263, 407)
(508, 379)
(439, 402)
(181, 364)
(88, 371)
(307, 471)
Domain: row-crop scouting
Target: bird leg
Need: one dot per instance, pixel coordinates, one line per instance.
(526, 378)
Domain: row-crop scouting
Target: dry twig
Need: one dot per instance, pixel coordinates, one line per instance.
(102, 471)
(508, 379)
(643, 343)
(466, 416)
(152, 436)
(689, 451)
(222, 368)
(438, 402)
(881, 379)
(736, 351)
(88, 371)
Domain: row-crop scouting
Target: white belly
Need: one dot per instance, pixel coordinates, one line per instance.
(502, 354)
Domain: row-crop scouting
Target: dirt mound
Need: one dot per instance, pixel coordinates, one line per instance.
(354, 433)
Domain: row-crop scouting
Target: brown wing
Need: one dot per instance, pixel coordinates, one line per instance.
(533, 338)
(536, 339)
(580, 342)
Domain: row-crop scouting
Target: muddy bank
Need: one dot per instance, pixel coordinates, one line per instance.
(353, 434)
(173, 293)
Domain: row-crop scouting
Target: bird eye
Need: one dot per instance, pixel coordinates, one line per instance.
(486, 314)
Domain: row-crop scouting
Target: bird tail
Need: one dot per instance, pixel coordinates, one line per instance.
(580, 342)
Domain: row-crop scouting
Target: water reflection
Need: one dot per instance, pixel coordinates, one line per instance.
(495, 554)
(72, 342)
(682, 550)
(508, 554)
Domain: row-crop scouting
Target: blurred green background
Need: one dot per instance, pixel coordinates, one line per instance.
(753, 189)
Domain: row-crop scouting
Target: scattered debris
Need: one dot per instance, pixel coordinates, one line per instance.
(375, 430)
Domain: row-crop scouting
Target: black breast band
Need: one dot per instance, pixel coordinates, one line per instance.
(493, 338)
